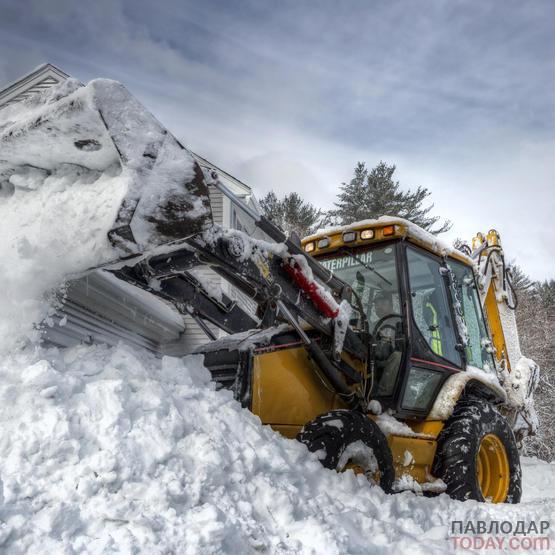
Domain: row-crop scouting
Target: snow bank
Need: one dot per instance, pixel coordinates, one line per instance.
(111, 450)
(57, 229)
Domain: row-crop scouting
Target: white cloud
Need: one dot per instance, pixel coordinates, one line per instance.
(291, 98)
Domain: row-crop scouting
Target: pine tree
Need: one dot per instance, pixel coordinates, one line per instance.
(374, 193)
(546, 293)
(291, 213)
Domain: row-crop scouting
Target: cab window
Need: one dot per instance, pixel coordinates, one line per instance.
(465, 286)
(430, 305)
(372, 274)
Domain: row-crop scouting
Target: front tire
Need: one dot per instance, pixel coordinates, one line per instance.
(345, 439)
(477, 455)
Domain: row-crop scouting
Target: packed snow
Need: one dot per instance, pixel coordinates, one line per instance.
(113, 450)
(54, 231)
(109, 450)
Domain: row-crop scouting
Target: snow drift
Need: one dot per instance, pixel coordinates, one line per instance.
(109, 450)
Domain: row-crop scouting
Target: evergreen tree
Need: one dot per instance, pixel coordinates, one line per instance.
(291, 213)
(535, 316)
(374, 193)
(546, 293)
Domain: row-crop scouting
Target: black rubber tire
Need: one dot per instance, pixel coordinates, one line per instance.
(323, 434)
(458, 445)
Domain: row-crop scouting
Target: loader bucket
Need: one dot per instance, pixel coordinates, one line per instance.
(101, 128)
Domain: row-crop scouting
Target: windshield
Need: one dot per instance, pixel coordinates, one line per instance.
(372, 274)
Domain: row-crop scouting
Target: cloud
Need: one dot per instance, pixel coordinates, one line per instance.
(291, 96)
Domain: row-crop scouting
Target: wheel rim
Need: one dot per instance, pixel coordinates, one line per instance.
(492, 469)
(360, 458)
(372, 477)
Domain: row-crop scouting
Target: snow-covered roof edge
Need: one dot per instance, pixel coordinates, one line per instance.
(15, 88)
(204, 163)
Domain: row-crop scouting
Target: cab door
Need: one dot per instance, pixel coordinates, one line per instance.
(435, 349)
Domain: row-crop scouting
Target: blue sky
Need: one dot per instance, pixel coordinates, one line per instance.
(290, 95)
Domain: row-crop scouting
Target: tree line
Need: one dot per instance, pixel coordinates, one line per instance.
(375, 192)
(535, 316)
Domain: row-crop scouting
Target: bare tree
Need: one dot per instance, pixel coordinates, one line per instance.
(536, 323)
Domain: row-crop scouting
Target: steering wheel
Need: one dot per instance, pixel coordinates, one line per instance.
(381, 325)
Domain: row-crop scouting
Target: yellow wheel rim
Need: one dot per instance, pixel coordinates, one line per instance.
(357, 469)
(492, 469)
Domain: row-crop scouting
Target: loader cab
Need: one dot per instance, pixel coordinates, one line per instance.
(420, 307)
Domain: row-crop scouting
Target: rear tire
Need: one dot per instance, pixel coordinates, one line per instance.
(477, 455)
(347, 439)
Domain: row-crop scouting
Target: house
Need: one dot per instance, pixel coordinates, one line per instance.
(100, 308)
(41, 78)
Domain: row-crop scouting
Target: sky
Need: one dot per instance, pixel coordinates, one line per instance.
(289, 95)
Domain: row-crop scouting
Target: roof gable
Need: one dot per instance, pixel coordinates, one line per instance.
(43, 77)
(238, 187)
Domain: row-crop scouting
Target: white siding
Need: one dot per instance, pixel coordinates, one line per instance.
(226, 215)
(194, 336)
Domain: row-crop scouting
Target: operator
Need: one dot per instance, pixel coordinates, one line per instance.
(388, 355)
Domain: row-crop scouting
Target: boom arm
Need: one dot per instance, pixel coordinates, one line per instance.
(518, 375)
(498, 297)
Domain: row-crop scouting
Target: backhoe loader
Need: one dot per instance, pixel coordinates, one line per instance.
(383, 351)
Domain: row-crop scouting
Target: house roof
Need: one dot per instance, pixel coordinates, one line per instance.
(43, 77)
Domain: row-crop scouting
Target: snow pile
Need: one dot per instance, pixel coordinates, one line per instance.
(109, 450)
(49, 233)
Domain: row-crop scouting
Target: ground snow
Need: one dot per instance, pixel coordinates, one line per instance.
(111, 450)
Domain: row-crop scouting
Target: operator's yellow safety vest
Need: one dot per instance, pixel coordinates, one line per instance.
(435, 338)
